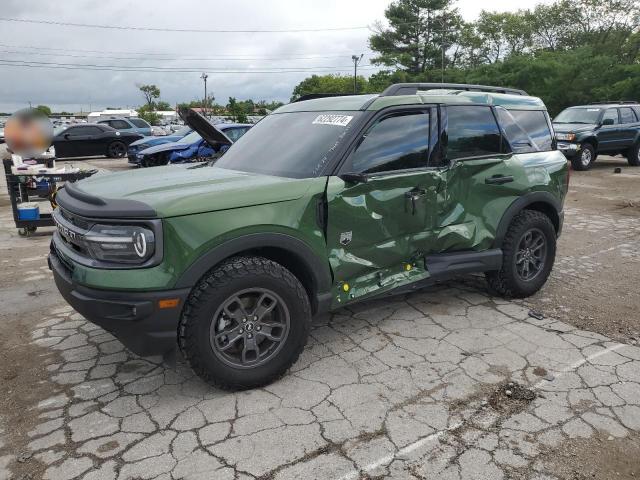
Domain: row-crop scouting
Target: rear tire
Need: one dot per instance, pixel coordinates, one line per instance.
(633, 155)
(585, 158)
(528, 254)
(245, 323)
(116, 149)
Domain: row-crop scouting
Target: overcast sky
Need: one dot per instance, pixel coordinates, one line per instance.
(75, 90)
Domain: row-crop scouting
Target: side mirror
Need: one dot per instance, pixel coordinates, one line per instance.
(66, 136)
(607, 121)
(354, 177)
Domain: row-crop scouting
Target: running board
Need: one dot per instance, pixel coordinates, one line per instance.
(443, 266)
(446, 265)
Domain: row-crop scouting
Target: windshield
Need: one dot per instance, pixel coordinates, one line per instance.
(193, 137)
(296, 144)
(578, 115)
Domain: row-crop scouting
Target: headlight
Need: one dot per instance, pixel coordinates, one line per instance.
(569, 137)
(120, 243)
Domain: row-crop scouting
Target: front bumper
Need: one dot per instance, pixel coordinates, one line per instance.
(569, 149)
(133, 158)
(134, 318)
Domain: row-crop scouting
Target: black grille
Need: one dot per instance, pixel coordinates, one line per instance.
(75, 220)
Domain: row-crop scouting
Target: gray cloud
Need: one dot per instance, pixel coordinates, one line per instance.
(82, 89)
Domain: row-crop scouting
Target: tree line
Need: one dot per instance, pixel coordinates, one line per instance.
(568, 52)
(238, 110)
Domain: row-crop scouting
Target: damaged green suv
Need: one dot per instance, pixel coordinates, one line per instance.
(323, 203)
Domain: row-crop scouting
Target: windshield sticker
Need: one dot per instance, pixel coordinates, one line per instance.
(593, 109)
(337, 120)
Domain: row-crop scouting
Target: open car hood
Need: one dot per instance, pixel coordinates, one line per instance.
(204, 127)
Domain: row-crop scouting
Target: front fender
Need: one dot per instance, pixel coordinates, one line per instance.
(587, 137)
(292, 245)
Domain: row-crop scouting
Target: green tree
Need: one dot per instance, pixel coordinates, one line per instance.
(151, 93)
(147, 113)
(160, 105)
(419, 31)
(236, 111)
(329, 84)
(44, 109)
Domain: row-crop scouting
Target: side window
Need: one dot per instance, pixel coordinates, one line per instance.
(534, 123)
(517, 137)
(234, 133)
(627, 115)
(397, 142)
(611, 113)
(472, 132)
(119, 124)
(138, 122)
(87, 130)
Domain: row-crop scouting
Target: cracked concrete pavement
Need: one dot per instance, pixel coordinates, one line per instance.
(421, 386)
(397, 387)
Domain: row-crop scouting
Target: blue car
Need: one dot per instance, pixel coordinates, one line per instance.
(147, 142)
(206, 141)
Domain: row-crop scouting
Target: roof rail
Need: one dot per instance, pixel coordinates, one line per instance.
(311, 96)
(615, 102)
(412, 88)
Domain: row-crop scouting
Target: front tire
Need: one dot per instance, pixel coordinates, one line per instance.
(584, 160)
(528, 254)
(245, 323)
(116, 149)
(633, 155)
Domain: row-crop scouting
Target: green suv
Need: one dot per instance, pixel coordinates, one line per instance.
(323, 203)
(612, 128)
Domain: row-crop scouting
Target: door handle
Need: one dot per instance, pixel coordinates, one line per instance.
(413, 196)
(498, 179)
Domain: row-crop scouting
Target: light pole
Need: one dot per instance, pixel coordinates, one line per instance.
(204, 77)
(356, 59)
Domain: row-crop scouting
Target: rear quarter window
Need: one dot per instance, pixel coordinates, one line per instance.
(536, 126)
(139, 123)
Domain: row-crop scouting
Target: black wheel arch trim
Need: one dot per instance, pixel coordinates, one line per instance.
(318, 271)
(588, 138)
(527, 200)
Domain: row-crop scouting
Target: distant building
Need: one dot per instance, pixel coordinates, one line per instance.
(95, 116)
(167, 116)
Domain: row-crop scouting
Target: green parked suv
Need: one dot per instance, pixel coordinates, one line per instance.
(612, 128)
(324, 203)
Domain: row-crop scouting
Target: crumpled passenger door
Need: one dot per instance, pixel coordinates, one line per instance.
(379, 231)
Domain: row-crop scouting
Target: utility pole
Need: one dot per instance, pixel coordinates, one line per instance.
(443, 25)
(204, 77)
(356, 60)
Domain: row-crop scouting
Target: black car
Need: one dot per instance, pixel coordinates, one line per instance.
(585, 131)
(92, 139)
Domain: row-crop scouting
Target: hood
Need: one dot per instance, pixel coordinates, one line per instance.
(151, 141)
(204, 127)
(573, 127)
(177, 190)
(166, 147)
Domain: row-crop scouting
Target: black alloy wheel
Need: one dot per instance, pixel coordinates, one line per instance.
(249, 328)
